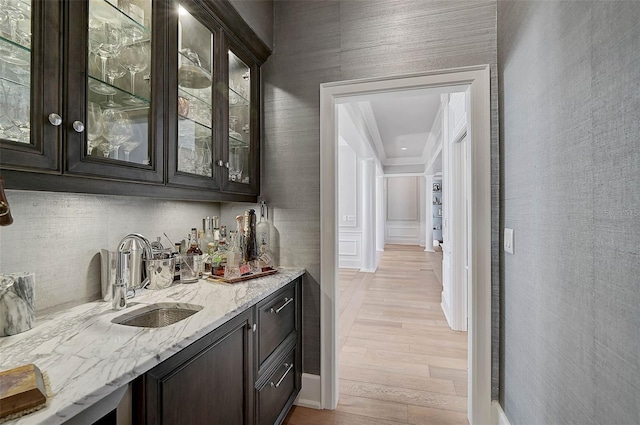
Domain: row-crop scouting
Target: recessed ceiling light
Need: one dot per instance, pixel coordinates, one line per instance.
(403, 149)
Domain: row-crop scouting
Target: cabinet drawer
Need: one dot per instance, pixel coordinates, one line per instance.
(278, 392)
(276, 320)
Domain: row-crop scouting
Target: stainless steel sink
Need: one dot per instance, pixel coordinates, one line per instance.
(157, 315)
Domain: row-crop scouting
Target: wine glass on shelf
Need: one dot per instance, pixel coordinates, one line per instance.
(128, 146)
(114, 69)
(117, 129)
(134, 59)
(235, 164)
(233, 121)
(105, 43)
(133, 142)
(94, 126)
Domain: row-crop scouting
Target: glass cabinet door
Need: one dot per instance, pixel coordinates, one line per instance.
(239, 120)
(241, 148)
(15, 71)
(192, 146)
(114, 108)
(119, 91)
(30, 58)
(195, 96)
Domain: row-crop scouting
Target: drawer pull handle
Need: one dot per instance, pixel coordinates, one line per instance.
(286, 372)
(286, 302)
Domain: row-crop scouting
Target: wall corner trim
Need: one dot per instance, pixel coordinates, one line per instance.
(311, 392)
(499, 417)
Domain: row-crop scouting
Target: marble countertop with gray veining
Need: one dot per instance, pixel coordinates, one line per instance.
(87, 357)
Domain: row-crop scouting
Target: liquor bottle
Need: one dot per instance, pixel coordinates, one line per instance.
(250, 254)
(262, 228)
(234, 256)
(208, 260)
(191, 262)
(266, 259)
(202, 244)
(208, 232)
(216, 229)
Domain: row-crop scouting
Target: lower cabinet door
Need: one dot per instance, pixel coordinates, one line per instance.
(277, 394)
(210, 386)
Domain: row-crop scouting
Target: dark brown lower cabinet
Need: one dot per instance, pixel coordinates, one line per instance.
(223, 378)
(277, 393)
(208, 383)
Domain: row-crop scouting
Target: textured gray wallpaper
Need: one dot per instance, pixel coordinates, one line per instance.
(570, 96)
(59, 237)
(259, 15)
(324, 41)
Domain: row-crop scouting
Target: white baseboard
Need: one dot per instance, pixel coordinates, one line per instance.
(310, 393)
(499, 417)
(368, 270)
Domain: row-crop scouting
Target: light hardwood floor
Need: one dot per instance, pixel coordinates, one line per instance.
(400, 363)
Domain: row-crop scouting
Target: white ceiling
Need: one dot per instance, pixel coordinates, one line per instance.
(391, 121)
(405, 122)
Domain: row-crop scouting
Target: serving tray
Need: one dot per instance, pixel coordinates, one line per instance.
(242, 278)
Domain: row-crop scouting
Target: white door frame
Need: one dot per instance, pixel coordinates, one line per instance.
(478, 79)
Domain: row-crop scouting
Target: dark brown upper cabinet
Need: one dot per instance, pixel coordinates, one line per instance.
(241, 147)
(138, 97)
(194, 114)
(31, 86)
(114, 89)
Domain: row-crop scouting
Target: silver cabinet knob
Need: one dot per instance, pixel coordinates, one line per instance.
(226, 164)
(219, 163)
(78, 126)
(55, 119)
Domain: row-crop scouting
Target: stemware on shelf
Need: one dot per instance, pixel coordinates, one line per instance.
(95, 127)
(114, 69)
(105, 42)
(134, 58)
(117, 129)
(236, 162)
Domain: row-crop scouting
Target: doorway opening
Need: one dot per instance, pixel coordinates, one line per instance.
(477, 79)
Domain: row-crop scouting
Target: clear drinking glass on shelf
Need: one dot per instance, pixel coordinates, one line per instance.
(117, 129)
(94, 126)
(236, 160)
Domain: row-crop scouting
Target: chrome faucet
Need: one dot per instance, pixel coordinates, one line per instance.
(119, 288)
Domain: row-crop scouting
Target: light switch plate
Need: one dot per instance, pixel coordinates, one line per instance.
(508, 240)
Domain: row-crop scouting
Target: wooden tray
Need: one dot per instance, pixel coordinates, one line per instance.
(242, 278)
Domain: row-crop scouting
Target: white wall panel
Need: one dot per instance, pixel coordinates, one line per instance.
(402, 199)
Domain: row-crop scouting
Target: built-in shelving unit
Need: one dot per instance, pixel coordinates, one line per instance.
(436, 209)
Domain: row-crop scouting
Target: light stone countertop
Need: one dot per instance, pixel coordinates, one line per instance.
(87, 357)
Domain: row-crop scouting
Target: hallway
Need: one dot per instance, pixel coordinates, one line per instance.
(399, 361)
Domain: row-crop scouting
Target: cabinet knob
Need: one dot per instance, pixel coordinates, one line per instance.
(254, 327)
(226, 164)
(78, 126)
(219, 163)
(55, 119)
